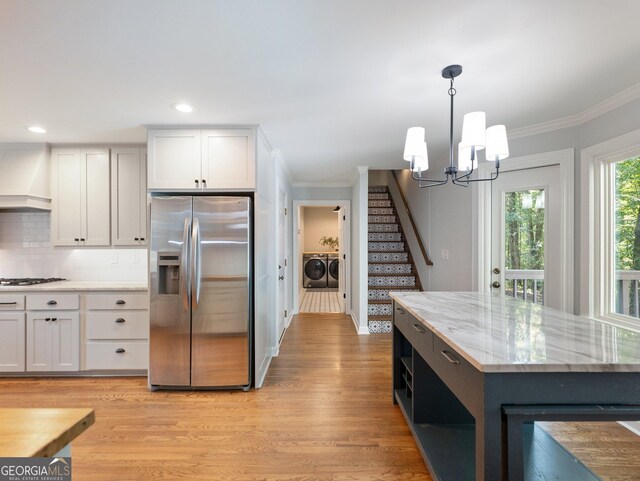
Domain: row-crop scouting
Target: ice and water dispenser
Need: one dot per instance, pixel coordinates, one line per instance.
(169, 272)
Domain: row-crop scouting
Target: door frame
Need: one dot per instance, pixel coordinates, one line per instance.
(345, 248)
(565, 160)
(282, 237)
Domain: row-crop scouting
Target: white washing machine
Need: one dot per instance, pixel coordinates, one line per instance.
(333, 268)
(314, 268)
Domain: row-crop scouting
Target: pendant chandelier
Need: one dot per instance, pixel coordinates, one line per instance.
(474, 138)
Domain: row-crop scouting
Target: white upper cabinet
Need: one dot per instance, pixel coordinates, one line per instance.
(128, 196)
(174, 159)
(228, 159)
(80, 191)
(211, 159)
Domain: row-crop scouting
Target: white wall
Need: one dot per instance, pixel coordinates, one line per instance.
(359, 251)
(318, 222)
(26, 251)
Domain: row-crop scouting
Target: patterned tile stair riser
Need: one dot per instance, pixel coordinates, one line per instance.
(390, 267)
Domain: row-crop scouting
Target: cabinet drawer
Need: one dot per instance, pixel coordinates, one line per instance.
(53, 302)
(11, 302)
(117, 301)
(118, 325)
(458, 374)
(117, 355)
(413, 330)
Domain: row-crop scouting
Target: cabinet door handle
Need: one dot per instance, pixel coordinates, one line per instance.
(52, 303)
(54, 319)
(120, 320)
(82, 239)
(8, 303)
(142, 238)
(449, 357)
(204, 182)
(136, 238)
(77, 239)
(119, 350)
(47, 319)
(120, 302)
(419, 328)
(400, 310)
(197, 183)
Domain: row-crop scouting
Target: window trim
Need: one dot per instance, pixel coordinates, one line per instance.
(597, 227)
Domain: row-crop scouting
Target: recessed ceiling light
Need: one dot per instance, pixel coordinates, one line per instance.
(185, 108)
(36, 129)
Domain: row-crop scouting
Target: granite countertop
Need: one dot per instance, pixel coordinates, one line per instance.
(503, 334)
(40, 432)
(79, 286)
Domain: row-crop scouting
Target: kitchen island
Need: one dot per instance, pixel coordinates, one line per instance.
(460, 359)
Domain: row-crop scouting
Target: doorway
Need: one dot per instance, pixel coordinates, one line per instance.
(320, 257)
(528, 234)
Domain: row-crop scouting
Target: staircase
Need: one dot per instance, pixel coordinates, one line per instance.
(391, 266)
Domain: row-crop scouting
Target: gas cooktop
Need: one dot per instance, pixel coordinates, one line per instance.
(28, 281)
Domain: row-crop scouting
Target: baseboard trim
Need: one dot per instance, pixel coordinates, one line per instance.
(361, 330)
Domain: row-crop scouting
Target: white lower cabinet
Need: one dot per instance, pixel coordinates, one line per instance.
(12, 341)
(117, 332)
(53, 341)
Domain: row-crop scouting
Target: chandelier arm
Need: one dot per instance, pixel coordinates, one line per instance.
(429, 182)
(432, 183)
(493, 177)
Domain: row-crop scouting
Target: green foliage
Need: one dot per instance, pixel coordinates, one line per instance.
(329, 241)
(627, 208)
(524, 230)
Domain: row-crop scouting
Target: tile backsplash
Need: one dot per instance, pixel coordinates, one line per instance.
(26, 251)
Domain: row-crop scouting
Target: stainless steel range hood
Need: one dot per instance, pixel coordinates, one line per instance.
(25, 180)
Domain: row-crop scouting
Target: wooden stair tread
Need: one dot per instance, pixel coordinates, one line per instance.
(393, 288)
(387, 317)
(379, 301)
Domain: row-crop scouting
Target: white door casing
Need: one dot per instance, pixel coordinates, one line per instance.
(564, 159)
(282, 263)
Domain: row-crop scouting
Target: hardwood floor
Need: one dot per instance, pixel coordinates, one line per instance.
(608, 449)
(324, 413)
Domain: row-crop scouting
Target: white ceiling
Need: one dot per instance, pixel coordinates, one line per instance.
(334, 83)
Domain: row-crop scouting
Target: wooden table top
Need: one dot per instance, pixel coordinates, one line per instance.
(35, 432)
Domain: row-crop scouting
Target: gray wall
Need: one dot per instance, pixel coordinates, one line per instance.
(444, 215)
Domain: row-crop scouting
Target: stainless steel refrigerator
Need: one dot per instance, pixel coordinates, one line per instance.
(200, 291)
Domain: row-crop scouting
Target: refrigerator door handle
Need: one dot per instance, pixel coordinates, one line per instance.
(184, 274)
(195, 264)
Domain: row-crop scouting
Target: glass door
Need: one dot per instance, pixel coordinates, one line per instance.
(525, 239)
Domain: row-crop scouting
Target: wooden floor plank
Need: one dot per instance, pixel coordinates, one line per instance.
(324, 413)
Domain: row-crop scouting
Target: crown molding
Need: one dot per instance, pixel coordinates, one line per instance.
(615, 101)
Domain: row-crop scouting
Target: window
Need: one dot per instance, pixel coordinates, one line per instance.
(610, 231)
(626, 244)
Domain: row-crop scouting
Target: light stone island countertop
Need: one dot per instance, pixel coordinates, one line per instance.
(503, 334)
(78, 286)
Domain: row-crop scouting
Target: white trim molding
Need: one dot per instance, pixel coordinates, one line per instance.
(596, 255)
(565, 160)
(361, 330)
(615, 101)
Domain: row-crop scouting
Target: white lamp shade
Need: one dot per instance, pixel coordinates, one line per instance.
(413, 144)
(497, 145)
(464, 158)
(421, 162)
(473, 130)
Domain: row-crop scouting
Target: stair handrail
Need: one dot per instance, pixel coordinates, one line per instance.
(413, 223)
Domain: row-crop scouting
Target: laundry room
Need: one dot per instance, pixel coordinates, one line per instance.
(319, 239)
